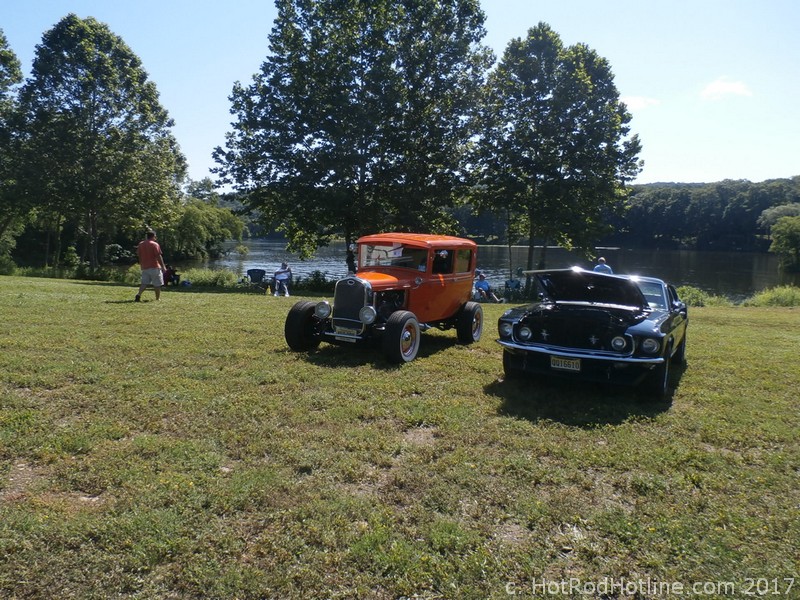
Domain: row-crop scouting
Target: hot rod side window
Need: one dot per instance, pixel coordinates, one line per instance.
(463, 261)
(443, 261)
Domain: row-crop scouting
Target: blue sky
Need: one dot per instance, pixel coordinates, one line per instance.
(713, 85)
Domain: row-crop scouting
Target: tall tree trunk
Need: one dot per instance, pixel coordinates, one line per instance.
(351, 256)
(531, 249)
(509, 243)
(543, 256)
(93, 235)
(57, 242)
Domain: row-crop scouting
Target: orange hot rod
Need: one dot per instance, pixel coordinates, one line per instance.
(405, 283)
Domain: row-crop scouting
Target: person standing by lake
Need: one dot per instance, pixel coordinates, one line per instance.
(603, 267)
(152, 264)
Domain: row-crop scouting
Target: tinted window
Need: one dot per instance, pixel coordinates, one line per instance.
(443, 261)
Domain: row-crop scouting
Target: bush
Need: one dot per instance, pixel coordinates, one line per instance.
(786, 295)
(114, 253)
(70, 260)
(7, 265)
(693, 296)
(210, 278)
(133, 275)
(315, 282)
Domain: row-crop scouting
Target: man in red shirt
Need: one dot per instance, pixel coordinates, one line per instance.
(152, 265)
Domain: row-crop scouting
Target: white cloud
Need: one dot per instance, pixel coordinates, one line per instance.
(723, 87)
(639, 102)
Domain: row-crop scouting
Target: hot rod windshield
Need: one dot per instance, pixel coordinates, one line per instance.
(392, 255)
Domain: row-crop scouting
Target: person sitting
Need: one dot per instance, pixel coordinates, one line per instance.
(282, 278)
(171, 276)
(602, 267)
(513, 289)
(484, 289)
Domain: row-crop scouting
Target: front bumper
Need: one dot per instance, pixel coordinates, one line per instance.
(597, 366)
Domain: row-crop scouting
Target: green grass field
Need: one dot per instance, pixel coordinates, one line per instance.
(179, 450)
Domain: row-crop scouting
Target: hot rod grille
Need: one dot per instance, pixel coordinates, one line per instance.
(349, 297)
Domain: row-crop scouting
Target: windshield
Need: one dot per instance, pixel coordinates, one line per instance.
(392, 255)
(653, 293)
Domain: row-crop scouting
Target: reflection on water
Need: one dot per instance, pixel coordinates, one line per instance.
(733, 274)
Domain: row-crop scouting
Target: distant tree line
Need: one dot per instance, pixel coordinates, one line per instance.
(727, 215)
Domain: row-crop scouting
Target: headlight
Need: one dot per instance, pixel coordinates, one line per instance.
(650, 346)
(367, 315)
(322, 310)
(506, 329)
(525, 333)
(618, 343)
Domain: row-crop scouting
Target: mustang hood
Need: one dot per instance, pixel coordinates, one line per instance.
(576, 286)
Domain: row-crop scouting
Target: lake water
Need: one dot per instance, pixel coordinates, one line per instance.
(736, 275)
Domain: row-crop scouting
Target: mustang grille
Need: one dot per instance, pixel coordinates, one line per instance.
(349, 297)
(589, 331)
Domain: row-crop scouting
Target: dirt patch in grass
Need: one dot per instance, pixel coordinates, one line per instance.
(20, 479)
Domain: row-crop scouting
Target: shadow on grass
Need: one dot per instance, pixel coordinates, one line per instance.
(578, 403)
(344, 355)
(245, 289)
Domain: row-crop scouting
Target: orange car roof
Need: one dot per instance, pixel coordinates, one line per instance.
(419, 239)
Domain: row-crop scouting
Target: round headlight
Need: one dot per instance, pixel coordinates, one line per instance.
(322, 310)
(367, 315)
(618, 343)
(525, 333)
(650, 346)
(506, 329)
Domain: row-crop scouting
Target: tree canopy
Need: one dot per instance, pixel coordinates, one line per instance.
(360, 116)
(97, 149)
(10, 77)
(786, 242)
(555, 151)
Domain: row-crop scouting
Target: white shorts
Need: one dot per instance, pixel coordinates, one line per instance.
(153, 277)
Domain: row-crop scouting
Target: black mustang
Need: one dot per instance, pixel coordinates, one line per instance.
(597, 327)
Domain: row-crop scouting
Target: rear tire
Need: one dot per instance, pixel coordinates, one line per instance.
(469, 325)
(299, 330)
(401, 337)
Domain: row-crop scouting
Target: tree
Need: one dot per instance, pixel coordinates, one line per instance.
(10, 208)
(786, 242)
(554, 152)
(198, 230)
(359, 118)
(770, 216)
(97, 148)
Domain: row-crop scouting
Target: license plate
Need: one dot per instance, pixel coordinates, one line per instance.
(565, 364)
(346, 331)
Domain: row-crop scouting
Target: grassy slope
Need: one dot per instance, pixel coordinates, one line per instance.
(178, 449)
